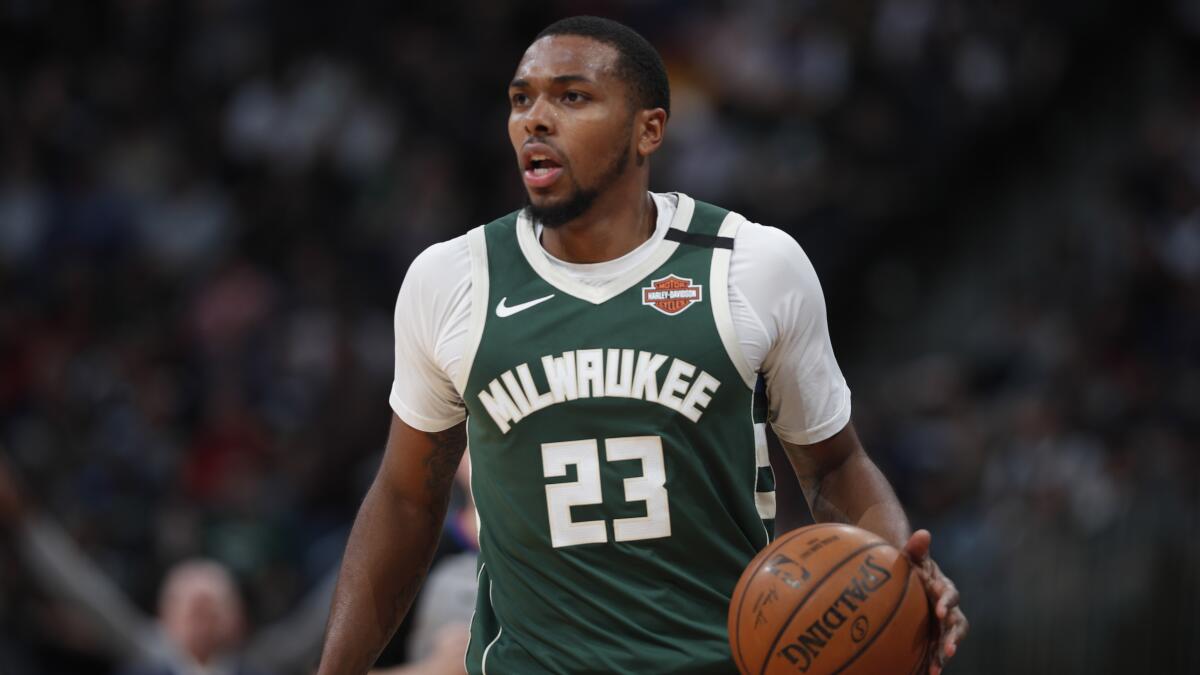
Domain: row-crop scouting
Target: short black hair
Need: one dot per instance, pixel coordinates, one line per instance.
(638, 62)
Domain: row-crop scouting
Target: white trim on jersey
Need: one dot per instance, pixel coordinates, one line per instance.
(471, 623)
(482, 562)
(536, 255)
(764, 501)
(483, 659)
(477, 245)
(718, 291)
(760, 451)
(762, 455)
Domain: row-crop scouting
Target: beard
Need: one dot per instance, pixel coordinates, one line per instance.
(579, 200)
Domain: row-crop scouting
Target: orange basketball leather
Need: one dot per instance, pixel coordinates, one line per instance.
(829, 599)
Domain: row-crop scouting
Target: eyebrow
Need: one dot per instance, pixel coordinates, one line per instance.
(557, 79)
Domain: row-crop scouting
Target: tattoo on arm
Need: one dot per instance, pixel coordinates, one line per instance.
(441, 464)
(390, 614)
(822, 509)
(446, 448)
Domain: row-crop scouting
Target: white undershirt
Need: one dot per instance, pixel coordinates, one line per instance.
(775, 300)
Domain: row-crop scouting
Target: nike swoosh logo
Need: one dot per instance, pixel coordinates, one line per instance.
(503, 311)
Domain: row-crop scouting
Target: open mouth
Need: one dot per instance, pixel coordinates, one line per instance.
(541, 165)
(541, 170)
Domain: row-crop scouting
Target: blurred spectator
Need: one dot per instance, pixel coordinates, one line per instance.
(201, 625)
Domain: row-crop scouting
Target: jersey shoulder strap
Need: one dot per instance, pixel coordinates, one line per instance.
(502, 228)
(703, 229)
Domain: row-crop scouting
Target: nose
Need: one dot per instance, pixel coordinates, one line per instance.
(539, 119)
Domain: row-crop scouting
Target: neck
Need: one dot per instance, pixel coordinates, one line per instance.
(617, 223)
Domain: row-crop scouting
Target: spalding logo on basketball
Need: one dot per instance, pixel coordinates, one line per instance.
(829, 599)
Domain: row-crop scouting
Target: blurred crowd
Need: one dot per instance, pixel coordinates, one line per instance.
(1048, 430)
(206, 208)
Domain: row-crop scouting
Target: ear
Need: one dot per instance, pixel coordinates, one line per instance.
(650, 125)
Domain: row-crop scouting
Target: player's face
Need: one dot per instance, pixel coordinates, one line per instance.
(570, 124)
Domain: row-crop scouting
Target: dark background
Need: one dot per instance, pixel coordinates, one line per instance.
(207, 207)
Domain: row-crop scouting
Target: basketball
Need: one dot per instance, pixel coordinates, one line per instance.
(829, 599)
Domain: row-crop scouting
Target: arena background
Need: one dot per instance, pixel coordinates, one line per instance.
(207, 207)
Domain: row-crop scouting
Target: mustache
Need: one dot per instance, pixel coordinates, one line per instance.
(547, 142)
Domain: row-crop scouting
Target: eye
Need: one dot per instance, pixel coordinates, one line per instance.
(575, 97)
(519, 99)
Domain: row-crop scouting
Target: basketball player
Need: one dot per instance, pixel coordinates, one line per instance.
(607, 349)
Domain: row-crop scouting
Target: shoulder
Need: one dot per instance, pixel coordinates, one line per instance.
(769, 245)
(770, 255)
(441, 260)
(436, 290)
(438, 275)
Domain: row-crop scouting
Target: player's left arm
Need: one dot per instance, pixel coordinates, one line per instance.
(809, 409)
(843, 485)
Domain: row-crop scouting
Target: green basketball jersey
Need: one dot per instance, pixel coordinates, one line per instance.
(618, 451)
